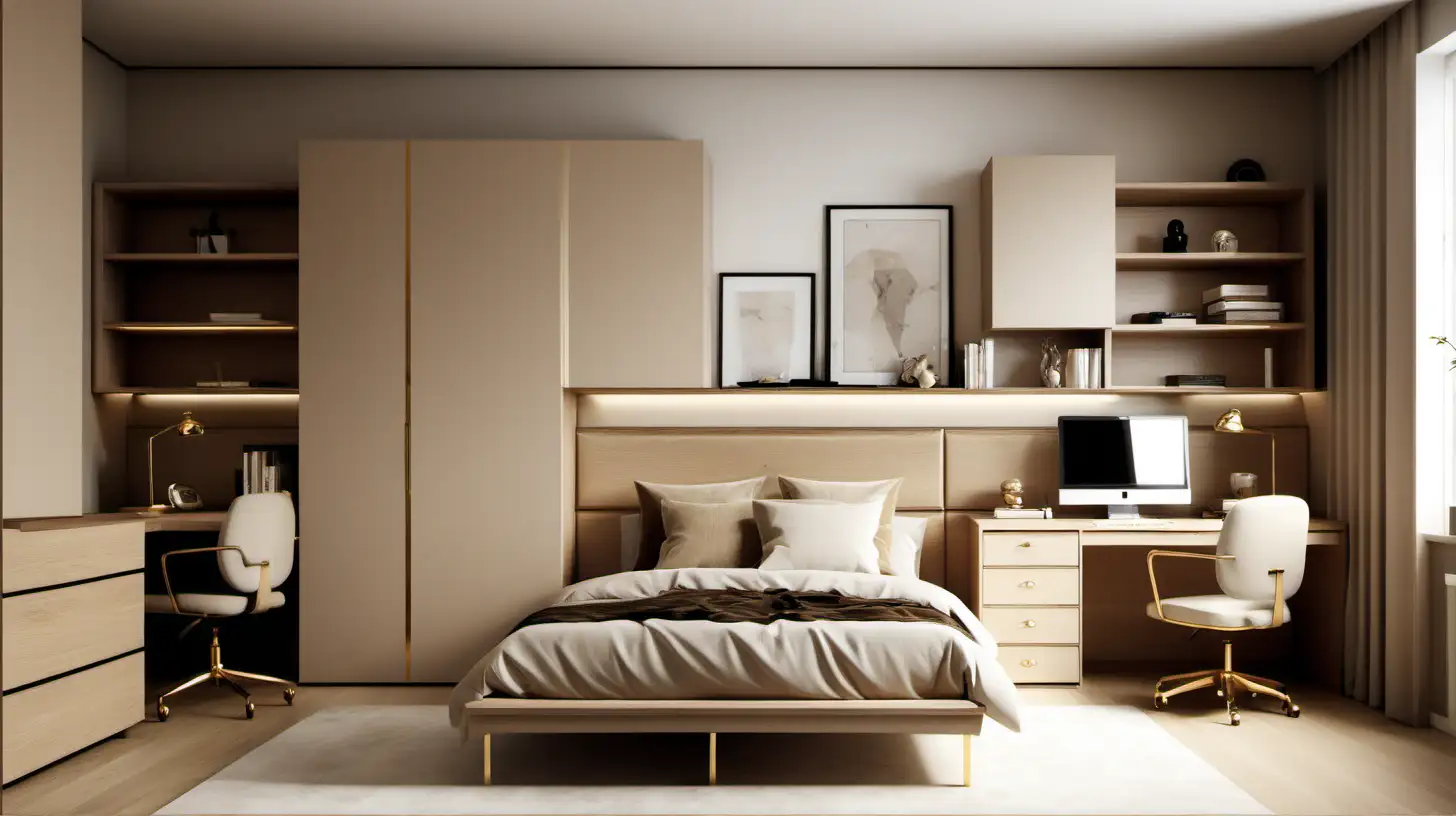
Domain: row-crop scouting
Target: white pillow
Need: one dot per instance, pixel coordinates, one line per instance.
(819, 535)
(906, 544)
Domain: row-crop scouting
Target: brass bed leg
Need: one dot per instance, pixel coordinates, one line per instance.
(966, 753)
(712, 757)
(487, 759)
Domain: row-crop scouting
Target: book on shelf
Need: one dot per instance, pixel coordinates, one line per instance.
(1082, 368)
(1231, 291)
(1195, 380)
(235, 317)
(1022, 512)
(1247, 317)
(1095, 380)
(223, 384)
(1162, 317)
(988, 363)
(1178, 321)
(1221, 306)
(973, 365)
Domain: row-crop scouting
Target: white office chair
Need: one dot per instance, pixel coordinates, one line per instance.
(1259, 563)
(254, 557)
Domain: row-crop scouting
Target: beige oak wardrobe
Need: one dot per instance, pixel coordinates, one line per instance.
(449, 291)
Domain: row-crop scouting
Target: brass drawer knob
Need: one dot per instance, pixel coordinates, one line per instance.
(1028, 585)
(1028, 663)
(1024, 544)
(1028, 624)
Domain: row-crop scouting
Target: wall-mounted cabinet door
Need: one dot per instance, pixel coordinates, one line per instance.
(488, 474)
(1048, 242)
(351, 297)
(637, 265)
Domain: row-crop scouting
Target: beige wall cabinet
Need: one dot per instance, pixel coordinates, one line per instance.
(352, 309)
(638, 261)
(487, 466)
(1048, 241)
(439, 282)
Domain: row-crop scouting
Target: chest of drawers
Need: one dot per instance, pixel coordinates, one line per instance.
(1028, 592)
(71, 616)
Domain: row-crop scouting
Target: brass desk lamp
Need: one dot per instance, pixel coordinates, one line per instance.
(188, 426)
(1233, 422)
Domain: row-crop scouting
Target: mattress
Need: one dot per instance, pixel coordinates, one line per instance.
(819, 660)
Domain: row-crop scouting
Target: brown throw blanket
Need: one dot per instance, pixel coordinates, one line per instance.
(745, 606)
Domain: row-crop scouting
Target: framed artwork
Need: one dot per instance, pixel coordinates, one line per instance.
(888, 275)
(765, 326)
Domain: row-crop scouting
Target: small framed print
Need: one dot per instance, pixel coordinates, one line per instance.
(765, 327)
(888, 275)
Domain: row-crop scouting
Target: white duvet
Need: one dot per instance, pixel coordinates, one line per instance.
(825, 660)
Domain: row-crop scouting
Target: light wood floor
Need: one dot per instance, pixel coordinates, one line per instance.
(1338, 758)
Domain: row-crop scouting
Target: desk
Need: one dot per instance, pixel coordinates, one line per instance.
(200, 521)
(1057, 593)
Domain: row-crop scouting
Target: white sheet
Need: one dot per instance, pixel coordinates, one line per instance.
(661, 659)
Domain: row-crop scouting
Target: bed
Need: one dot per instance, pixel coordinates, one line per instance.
(694, 676)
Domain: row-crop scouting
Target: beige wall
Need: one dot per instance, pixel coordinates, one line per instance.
(1443, 562)
(103, 158)
(782, 143)
(45, 383)
(1437, 21)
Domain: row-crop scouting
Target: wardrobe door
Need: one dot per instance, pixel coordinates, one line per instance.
(351, 419)
(638, 265)
(487, 449)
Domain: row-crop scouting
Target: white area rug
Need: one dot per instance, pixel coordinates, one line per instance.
(407, 760)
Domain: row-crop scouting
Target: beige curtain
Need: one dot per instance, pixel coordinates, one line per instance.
(1370, 216)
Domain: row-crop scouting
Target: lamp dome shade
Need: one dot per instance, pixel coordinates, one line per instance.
(189, 426)
(1231, 422)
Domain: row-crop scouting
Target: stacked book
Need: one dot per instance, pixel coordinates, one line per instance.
(1242, 303)
(261, 472)
(980, 363)
(1083, 368)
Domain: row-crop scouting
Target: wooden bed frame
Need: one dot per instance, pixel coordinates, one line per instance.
(510, 715)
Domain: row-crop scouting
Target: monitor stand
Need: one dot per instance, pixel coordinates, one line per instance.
(1122, 511)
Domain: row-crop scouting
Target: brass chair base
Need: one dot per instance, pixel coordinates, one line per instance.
(1227, 683)
(229, 677)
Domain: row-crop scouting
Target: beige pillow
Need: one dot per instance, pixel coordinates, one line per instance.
(887, 491)
(818, 535)
(650, 497)
(709, 535)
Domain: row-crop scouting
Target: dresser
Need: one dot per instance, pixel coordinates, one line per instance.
(1026, 583)
(71, 616)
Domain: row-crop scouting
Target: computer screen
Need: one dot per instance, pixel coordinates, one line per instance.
(1124, 453)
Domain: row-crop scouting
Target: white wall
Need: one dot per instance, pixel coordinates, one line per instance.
(44, 330)
(782, 143)
(103, 158)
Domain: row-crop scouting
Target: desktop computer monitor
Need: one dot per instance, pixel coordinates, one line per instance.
(1121, 462)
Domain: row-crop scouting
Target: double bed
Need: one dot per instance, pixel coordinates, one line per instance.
(702, 676)
(679, 624)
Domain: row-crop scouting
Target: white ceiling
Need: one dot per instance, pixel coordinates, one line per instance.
(686, 33)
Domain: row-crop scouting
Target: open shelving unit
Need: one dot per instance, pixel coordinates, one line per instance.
(153, 292)
(1274, 225)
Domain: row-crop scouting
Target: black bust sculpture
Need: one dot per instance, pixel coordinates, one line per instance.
(1176, 240)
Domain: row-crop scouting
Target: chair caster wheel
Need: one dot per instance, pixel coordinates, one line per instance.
(1234, 718)
(289, 694)
(1291, 710)
(1160, 702)
(249, 709)
(162, 711)
(1220, 692)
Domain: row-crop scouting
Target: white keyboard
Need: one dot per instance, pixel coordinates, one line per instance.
(1135, 524)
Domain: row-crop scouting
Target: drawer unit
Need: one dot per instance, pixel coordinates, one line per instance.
(1042, 664)
(1034, 624)
(71, 637)
(1036, 586)
(1030, 550)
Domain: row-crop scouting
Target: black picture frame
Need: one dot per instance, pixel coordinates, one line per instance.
(813, 312)
(946, 366)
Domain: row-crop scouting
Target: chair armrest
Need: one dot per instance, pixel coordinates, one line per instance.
(1153, 576)
(1278, 598)
(263, 583)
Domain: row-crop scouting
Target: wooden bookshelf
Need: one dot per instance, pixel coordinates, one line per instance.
(153, 292)
(1274, 226)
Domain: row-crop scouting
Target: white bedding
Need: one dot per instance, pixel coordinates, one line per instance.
(660, 659)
